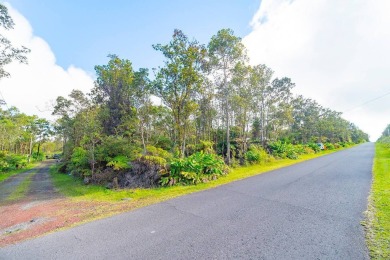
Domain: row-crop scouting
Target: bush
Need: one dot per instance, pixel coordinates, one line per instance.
(113, 146)
(303, 149)
(12, 161)
(119, 162)
(197, 168)
(158, 152)
(314, 147)
(329, 146)
(283, 150)
(256, 155)
(38, 156)
(79, 165)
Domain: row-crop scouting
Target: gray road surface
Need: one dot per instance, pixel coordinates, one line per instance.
(41, 187)
(307, 211)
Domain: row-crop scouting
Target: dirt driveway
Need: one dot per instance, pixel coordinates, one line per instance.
(41, 209)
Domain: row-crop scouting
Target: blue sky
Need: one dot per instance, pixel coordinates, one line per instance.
(83, 33)
(337, 52)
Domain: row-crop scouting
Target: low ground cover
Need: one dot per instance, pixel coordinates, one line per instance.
(378, 217)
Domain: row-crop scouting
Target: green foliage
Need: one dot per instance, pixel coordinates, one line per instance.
(378, 221)
(205, 146)
(256, 155)
(38, 156)
(329, 146)
(8, 52)
(197, 168)
(10, 162)
(385, 140)
(79, 165)
(119, 162)
(314, 147)
(282, 150)
(156, 160)
(112, 146)
(158, 152)
(179, 81)
(211, 97)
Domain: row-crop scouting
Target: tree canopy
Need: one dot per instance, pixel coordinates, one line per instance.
(8, 52)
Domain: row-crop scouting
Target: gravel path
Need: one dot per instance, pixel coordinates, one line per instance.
(41, 187)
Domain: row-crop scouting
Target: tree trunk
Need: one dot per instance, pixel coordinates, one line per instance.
(227, 134)
(30, 153)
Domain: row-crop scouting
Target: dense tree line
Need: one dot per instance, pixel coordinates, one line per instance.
(213, 104)
(385, 137)
(23, 138)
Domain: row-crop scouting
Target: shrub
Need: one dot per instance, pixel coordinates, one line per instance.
(79, 165)
(329, 146)
(314, 147)
(308, 150)
(113, 146)
(283, 150)
(12, 161)
(38, 156)
(256, 154)
(119, 162)
(158, 152)
(197, 168)
(205, 146)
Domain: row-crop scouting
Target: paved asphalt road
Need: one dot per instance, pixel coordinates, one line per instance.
(307, 211)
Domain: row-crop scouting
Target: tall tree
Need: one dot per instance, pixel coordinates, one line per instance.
(225, 51)
(242, 104)
(179, 82)
(114, 90)
(259, 79)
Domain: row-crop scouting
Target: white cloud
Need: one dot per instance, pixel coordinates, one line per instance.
(337, 52)
(34, 87)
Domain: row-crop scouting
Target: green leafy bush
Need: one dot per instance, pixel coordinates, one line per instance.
(158, 152)
(197, 168)
(314, 147)
(112, 146)
(79, 165)
(329, 146)
(12, 161)
(38, 156)
(256, 155)
(119, 162)
(282, 150)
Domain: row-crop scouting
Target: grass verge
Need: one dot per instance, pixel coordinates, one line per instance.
(5, 175)
(378, 214)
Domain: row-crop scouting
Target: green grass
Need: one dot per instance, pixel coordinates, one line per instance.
(378, 220)
(22, 189)
(5, 175)
(74, 188)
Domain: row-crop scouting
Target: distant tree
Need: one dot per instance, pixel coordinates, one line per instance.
(9, 53)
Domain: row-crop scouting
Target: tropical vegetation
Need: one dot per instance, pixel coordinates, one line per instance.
(204, 110)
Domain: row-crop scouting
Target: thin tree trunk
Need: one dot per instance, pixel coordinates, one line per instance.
(29, 156)
(227, 133)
